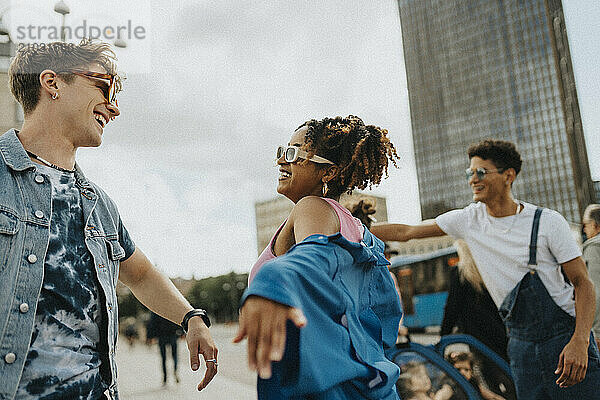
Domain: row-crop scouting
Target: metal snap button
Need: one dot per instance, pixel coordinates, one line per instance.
(24, 307)
(10, 358)
(32, 258)
(344, 320)
(39, 179)
(39, 214)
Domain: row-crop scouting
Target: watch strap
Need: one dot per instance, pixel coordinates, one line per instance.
(195, 313)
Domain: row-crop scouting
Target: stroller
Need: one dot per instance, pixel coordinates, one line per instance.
(427, 372)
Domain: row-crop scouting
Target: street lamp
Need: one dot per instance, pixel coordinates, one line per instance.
(3, 28)
(6, 46)
(63, 9)
(120, 43)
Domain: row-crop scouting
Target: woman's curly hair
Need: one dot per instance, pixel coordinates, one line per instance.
(360, 151)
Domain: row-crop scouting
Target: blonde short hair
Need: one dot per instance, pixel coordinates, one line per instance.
(29, 62)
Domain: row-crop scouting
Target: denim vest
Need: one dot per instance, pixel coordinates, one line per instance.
(25, 210)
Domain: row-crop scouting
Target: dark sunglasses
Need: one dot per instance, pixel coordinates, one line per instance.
(481, 172)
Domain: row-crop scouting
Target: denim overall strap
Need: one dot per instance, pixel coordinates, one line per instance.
(534, 237)
(529, 312)
(508, 304)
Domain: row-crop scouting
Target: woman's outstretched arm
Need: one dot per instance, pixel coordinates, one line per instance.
(263, 321)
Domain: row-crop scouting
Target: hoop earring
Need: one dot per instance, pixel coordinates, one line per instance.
(54, 95)
(325, 189)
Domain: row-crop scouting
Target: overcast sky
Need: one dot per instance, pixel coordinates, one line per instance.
(217, 85)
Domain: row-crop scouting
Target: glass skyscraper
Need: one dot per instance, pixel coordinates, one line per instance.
(499, 69)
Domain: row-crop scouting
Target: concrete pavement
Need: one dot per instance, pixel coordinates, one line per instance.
(140, 375)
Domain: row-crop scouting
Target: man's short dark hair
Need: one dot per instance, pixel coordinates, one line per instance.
(503, 154)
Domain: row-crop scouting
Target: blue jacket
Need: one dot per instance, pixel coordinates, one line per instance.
(24, 240)
(353, 311)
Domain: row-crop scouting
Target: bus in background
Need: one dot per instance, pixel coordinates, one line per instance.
(424, 280)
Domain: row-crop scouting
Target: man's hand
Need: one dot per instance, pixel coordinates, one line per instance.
(573, 360)
(572, 363)
(158, 293)
(199, 341)
(263, 322)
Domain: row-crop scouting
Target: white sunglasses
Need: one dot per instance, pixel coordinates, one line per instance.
(293, 153)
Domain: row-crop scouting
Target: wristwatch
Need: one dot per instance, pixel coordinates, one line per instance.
(194, 313)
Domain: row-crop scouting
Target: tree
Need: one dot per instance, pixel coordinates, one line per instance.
(219, 296)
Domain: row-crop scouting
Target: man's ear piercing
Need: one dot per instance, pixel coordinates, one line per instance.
(54, 95)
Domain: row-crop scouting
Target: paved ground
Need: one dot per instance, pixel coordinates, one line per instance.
(140, 376)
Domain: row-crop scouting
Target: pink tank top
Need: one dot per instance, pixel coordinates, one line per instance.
(350, 227)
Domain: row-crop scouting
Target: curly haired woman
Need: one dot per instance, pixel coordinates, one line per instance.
(321, 305)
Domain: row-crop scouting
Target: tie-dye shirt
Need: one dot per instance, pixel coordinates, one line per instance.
(64, 357)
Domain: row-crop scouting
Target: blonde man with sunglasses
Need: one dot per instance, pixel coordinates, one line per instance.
(520, 250)
(63, 245)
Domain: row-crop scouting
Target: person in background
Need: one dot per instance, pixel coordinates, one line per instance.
(466, 365)
(389, 252)
(591, 255)
(470, 307)
(131, 331)
(415, 384)
(364, 209)
(521, 251)
(471, 310)
(167, 334)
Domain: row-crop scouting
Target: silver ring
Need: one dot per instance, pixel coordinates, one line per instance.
(213, 360)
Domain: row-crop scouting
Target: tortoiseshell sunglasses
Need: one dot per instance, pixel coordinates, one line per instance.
(110, 91)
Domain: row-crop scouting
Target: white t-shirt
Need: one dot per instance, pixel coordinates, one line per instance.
(500, 248)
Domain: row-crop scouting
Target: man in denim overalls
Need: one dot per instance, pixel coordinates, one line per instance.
(521, 252)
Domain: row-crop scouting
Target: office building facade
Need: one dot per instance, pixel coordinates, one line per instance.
(494, 69)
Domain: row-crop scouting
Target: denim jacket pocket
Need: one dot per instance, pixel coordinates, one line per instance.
(9, 226)
(115, 250)
(9, 222)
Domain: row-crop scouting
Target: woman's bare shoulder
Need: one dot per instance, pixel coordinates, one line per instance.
(313, 215)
